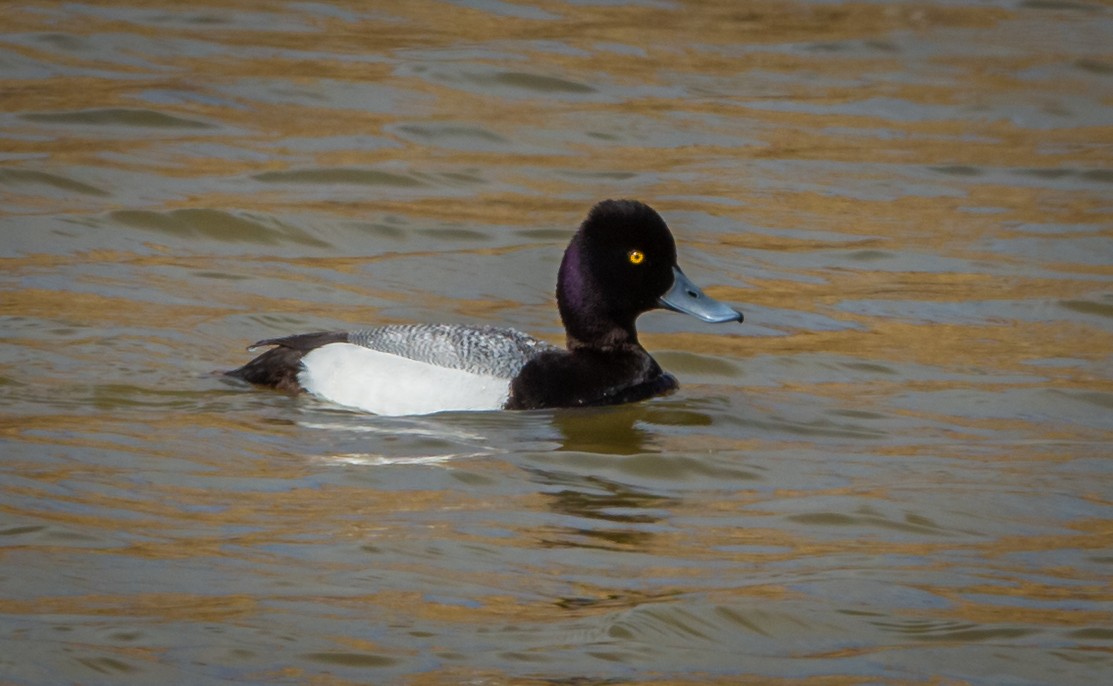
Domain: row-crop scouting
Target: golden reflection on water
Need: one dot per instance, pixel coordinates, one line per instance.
(896, 463)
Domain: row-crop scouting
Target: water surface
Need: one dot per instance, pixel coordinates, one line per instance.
(897, 471)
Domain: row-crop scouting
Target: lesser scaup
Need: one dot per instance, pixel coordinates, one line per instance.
(620, 263)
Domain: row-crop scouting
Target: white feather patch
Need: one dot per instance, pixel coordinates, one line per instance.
(386, 384)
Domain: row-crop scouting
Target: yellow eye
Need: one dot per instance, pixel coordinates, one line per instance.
(636, 256)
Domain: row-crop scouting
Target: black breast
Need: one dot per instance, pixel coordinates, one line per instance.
(588, 377)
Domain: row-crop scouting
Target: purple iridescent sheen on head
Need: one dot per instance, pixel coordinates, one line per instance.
(574, 293)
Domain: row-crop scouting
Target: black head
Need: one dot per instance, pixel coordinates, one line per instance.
(616, 267)
(620, 263)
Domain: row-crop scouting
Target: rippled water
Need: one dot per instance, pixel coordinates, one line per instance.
(898, 470)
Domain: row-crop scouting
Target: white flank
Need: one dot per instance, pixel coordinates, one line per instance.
(387, 384)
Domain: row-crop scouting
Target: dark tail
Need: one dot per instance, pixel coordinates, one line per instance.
(279, 366)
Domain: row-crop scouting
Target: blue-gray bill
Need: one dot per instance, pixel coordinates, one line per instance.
(686, 297)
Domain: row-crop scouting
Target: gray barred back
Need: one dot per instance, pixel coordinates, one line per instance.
(476, 349)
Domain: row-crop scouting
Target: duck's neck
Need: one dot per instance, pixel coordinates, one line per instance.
(615, 339)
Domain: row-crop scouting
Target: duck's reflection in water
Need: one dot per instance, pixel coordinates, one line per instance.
(607, 512)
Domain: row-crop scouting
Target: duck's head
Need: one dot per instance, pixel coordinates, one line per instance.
(621, 263)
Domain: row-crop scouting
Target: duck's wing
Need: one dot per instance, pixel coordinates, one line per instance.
(486, 350)
(303, 342)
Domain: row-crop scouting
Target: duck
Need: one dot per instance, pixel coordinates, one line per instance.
(620, 263)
